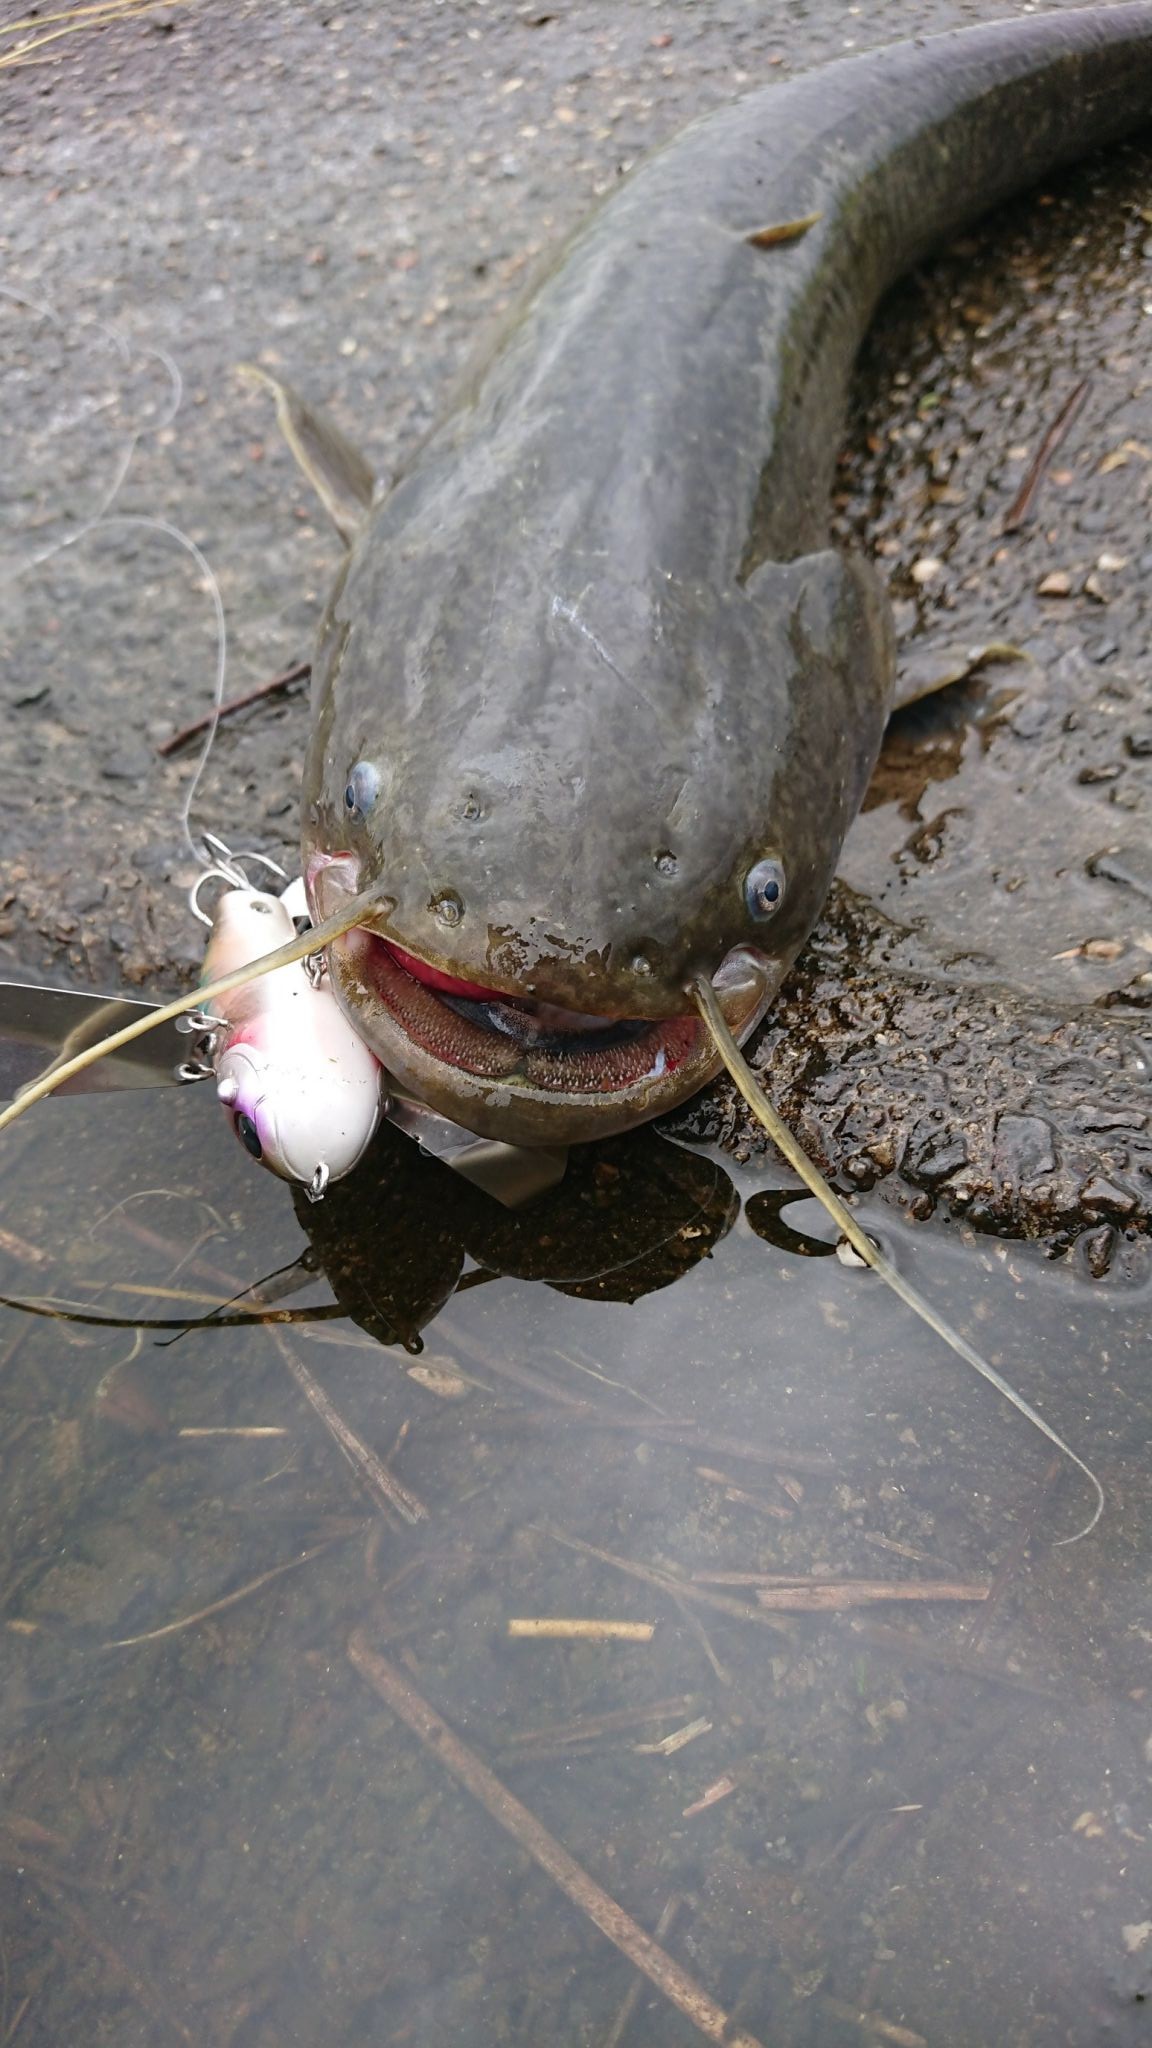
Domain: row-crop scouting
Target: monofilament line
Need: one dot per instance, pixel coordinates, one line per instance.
(704, 996)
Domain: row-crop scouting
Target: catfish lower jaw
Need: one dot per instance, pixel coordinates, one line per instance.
(529, 1073)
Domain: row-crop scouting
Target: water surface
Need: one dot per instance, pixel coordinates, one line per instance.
(932, 1813)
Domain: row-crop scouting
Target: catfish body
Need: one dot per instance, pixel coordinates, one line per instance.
(595, 704)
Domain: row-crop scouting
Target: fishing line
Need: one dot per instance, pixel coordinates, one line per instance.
(162, 526)
(103, 520)
(126, 351)
(311, 941)
(704, 996)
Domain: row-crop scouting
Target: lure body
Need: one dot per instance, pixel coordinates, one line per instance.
(301, 1089)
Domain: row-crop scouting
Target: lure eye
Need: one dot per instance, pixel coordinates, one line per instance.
(248, 1135)
(764, 890)
(362, 789)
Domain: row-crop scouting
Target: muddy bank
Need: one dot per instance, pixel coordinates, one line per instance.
(1032, 1119)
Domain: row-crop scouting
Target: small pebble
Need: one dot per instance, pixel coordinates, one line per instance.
(1057, 583)
(1097, 1247)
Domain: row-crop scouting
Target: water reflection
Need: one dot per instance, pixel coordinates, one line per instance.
(630, 1216)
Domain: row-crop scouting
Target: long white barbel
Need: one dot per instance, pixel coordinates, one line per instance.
(704, 996)
(311, 941)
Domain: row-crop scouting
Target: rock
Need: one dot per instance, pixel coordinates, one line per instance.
(1023, 1149)
(1100, 1194)
(1097, 1247)
(1131, 865)
(941, 1155)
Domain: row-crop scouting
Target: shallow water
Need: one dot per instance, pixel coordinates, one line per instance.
(937, 1812)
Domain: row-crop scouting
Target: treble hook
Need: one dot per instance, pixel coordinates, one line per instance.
(227, 867)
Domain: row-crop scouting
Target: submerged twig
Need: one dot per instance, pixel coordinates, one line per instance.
(533, 1837)
(172, 1628)
(547, 1628)
(250, 1431)
(695, 1626)
(742, 1498)
(821, 1597)
(883, 1635)
(590, 1727)
(19, 1248)
(679, 1739)
(871, 2023)
(141, 1988)
(678, 1589)
(685, 1434)
(1010, 1563)
(386, 1490)
(16, 2022)
(721, 1788)
(631, 1998)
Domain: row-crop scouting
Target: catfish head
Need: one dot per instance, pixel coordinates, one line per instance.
(580, 757)
(574, 792)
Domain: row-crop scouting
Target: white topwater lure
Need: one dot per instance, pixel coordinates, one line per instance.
(302, 1091)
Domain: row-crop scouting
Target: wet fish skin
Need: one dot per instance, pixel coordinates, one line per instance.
(592, 639)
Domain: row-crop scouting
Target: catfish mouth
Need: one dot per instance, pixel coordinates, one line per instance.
(499, 1037)
(513, 1067)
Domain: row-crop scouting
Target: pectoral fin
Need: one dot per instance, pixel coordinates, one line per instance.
(835, 613)
(336, 470)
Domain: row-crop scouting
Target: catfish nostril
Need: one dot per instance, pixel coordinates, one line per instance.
(447, 908)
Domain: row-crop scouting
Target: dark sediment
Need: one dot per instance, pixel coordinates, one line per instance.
(1032, 1119)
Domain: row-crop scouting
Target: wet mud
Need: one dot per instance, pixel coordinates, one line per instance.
(1030, 1119)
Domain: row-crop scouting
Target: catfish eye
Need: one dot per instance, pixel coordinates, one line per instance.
(764, 889)
(248, 1135)
(362, 789)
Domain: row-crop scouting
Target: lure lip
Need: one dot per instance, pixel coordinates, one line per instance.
(511, 1068)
